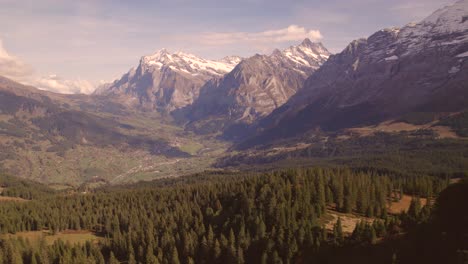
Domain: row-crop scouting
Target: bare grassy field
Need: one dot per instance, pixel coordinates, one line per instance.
(348, 221)
(68, 236)
(392, 126)
(403, 204)
(9, 199)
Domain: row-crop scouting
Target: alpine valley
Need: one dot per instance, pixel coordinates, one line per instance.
(294, 156)
(176, 113)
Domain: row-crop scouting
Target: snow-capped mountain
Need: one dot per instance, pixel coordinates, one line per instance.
(306, 56)
(422, 67)
(190, 64)
(443, 29)
(167, 81)
(448, 20)
(256, 86)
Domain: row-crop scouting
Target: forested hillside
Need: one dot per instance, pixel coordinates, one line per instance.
(14, 187)
(230, 218)
(419, 152)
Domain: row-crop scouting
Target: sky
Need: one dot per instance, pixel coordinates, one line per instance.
(71, 46)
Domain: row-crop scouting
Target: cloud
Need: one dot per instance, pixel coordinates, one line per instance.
(56, 84)
(11, 66)
(14, 68)
(289, 34)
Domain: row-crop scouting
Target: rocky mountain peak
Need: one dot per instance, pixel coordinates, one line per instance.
(444, 28)
(307, 43)
(277, 52)
(234, 60)
(187, 63)
(450, 19)
(307, 54)
(166, 81)
(159, 56)
(256, 87)
(316, 46)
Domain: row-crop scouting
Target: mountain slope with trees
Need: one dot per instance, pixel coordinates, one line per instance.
(251, 218)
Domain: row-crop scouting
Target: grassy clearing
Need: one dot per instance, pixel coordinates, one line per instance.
(191, 148)
(11, 199)
(348, 221)
(69, 236)
(395, 127)
(403, 204)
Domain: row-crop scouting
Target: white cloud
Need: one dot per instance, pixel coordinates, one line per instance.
(289, 34)
(14, 68)
(56, 84)
(11, 66)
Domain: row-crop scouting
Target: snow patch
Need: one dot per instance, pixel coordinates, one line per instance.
(356, 64)
(462, 55)
(446, 26)
(454, 70)
(392, 58)
(189, 63)
(307, 54)
(449, 19)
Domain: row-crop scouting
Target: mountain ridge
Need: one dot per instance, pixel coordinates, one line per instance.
(166, 81)
(256, 86)
(392, 72)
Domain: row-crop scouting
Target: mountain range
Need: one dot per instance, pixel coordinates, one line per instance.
(177, 112)
(419, 68)
(255, 87)
(166, 81)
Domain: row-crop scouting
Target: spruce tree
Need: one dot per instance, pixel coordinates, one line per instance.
(338, 232)
(175, 256)
(150, 257)
(264, 259)
(113, 259)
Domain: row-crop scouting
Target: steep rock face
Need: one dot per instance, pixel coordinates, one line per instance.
(165, 81)
(258, 85)
(421, 67)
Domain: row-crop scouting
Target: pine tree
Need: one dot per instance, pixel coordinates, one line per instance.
(175, 256)
(33, 259)
(150, 257)
(358, 231)
(415, 209)
(339, 230)
(264, 259)
(347, 204)
(240, 256)
(217, 249)
(324, 234)
(210, 237)
(373, 236)
(12, 254)
(205, 249)
(261, 231)
(276, 258)
(113, 259)
(98, 257)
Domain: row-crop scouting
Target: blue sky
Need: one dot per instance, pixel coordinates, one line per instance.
(92, 40)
